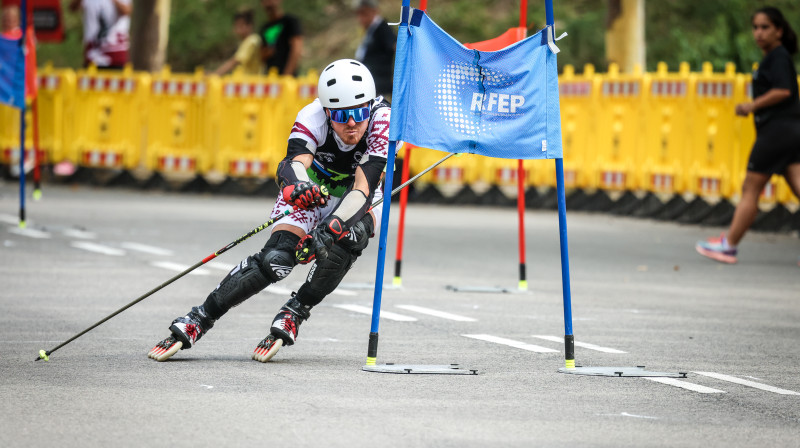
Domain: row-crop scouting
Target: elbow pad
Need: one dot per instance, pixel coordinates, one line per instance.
(290, 172)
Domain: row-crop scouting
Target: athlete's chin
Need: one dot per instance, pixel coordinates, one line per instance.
(351, 138)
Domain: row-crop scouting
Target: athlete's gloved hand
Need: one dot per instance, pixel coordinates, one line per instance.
(316, 244)
(305, 195)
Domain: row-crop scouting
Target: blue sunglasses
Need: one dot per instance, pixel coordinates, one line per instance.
(358, 114)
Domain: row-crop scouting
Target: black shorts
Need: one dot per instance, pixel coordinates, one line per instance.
(777, 146)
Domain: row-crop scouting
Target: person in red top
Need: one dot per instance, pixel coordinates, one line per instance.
(106, 26)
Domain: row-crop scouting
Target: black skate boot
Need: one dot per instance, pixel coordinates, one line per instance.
(284, 329)
(186, 331)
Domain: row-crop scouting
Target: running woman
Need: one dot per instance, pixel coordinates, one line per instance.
(776, 111)
(331, 174)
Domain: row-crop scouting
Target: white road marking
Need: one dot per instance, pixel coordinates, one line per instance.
(10, 219)
(80, 234)
(344, 292)
(436, 313)
(146, 249)
(97, 248)
(684, 385)
(178, 267)
(625, 414)
(384, 314)
(221, 266)
(279, 290)
(733, 379)
(31, 233)
(510, 343)
(580, 344)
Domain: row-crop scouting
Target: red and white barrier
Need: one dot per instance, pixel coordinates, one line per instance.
(103, 159)
(112, 85)
(614, 179)
(448, 174)
(621, 88)
(245, 167)
(715, 89)
(709, 185)
(662, 182)
(177, 163)
(668, 88)
(583, 88)
(251, 90)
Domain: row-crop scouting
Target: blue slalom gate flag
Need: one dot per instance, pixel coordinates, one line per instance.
(12, 73)
(501, 104)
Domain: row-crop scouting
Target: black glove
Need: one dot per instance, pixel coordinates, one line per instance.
(305, 195)
(316, 244)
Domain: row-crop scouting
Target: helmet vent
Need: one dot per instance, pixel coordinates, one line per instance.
(360, 95)
(333, 100)
(356, 78)
(331, 82)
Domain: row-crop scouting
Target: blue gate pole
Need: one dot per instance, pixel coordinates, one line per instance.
(372, 350)
(24, 25)
(569, 339)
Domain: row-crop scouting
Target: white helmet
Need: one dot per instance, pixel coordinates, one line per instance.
(345, 83)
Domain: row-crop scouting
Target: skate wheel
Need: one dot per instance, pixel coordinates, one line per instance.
(165, 349)
(267, 348)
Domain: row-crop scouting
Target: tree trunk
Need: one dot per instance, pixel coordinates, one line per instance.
(149, 34)
(625, 43)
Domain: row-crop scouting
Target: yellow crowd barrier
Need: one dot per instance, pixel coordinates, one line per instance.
(55, 110)
(578, 95)
(712, 145)
(180, 118)
(108, 119)
(662, 132)
(616, 146)
(253, 140)
(9, 134)
(665, 151)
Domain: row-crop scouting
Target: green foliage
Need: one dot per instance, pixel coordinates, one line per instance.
(694, 31)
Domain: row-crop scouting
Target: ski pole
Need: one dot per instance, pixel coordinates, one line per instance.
(409, 181)
(46, 354)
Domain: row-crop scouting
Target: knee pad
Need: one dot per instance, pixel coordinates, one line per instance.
(277, 259)
(245, 280)
(326, 275)
(360, 233)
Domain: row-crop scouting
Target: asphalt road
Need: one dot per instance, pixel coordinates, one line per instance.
(640, 296)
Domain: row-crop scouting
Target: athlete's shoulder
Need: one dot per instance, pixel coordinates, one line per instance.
(311, 122)
(381, 109)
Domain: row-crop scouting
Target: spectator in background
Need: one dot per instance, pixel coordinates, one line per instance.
(10, 22)
(281, 39)
(248, 55)
(776, 111)
(106, 28)
(378, 46)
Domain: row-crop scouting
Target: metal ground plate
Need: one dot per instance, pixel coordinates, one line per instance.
(619, 371)
(444, 369)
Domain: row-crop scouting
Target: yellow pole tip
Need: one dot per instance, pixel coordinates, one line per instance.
(523, 285)
(371, 361)
(22, 224)
(570, 363)
(37, 195)
(397, 281)
(43, 355)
